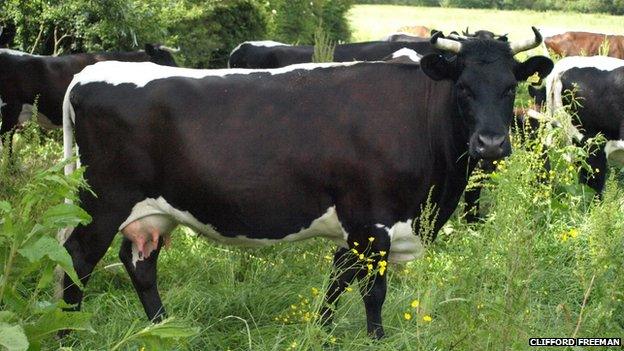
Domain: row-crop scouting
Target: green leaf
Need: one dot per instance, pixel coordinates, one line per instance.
(12, 337)
(65, 215)
(7, 316)
(56, 320)
(47, 246)
(5, 206)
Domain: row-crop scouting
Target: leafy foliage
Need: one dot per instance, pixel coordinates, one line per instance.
(206, 31)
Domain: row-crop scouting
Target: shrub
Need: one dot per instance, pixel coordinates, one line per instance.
(206, 32)
(295, 21)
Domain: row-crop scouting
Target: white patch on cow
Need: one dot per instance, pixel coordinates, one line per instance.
(141, 73)
(43, 121)
(16, 53)
(614, 149)
(266, 43)
(327, 225)
(263, 43)
(2, 104)
(405, 246)
(411, 54)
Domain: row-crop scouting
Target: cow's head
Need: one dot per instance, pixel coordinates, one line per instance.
(160, 54)
(485, 75)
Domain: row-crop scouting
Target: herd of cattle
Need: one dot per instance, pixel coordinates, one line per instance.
(277, 148)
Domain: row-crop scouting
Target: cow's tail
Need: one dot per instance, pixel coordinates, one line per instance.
(68, 146)
(69, 118)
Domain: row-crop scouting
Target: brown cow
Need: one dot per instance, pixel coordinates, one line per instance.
(418, 31)
(585, 43)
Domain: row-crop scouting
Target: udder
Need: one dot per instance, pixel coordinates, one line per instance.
(145, 233)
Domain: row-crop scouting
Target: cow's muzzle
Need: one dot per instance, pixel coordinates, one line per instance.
(490, 147)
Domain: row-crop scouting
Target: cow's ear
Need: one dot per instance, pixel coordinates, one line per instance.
(437, 67)
(536, 64)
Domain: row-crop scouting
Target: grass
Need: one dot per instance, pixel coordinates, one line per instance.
(522, 273)
(371, 22)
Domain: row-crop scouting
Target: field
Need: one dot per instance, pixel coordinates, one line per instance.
(371, 22)
(546, 262)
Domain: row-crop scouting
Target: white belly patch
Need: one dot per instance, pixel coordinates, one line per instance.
(159, 214)
(42, 120)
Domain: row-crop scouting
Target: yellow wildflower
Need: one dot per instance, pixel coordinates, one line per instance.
(361, 257)
(382, 253)
(427, 318)
(371, 239)
(315, 291)
(407, 316)
(415, 303)
(355, 243)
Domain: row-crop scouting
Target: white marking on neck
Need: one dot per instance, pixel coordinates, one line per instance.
(141, 73)
(16, 53)
(411, 54)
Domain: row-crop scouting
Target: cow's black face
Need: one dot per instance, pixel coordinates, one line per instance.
(485, 76)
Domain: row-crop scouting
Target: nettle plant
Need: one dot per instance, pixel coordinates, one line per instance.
(30, 252)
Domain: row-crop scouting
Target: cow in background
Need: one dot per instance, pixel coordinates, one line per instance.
(598, 84)
(585, 44)
(26, 78)
(7, 34)
(270, 54)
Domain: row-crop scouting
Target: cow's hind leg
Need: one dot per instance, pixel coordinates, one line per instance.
(88, 244)
(343, 273)
(143, 276)
(597, 160)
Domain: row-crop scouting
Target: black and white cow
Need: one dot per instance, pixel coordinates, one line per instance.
(25, 78)
(271, 54)
(347, 151)
(598, 85)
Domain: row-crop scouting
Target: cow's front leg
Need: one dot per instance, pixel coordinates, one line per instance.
(471, 198)
(143, 273)
(372, 276)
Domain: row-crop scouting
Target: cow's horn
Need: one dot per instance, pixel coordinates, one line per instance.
(528, 44)
(169, 49)
(445, 44)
